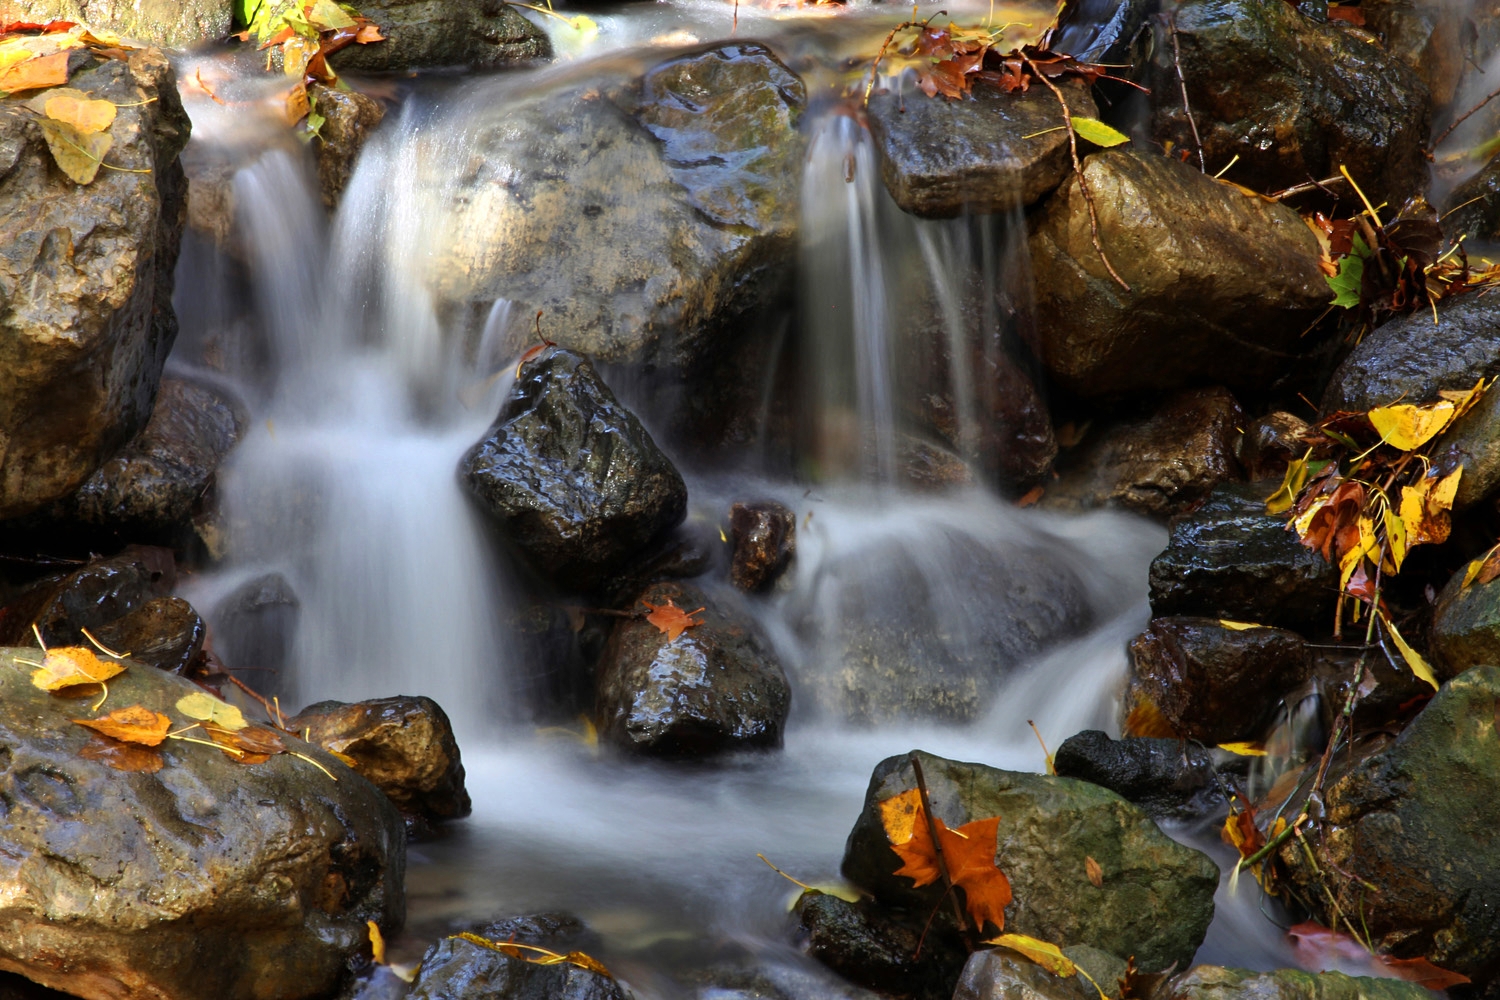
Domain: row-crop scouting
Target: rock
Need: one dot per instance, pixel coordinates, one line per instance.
(1270, 443)
(1211, 682)
(1410, 359)
(255, 624)
(1427, 35)
(716, 688)
(1230, 559)
(1474, 206)
(486, 34)
(13, 987)
(1001, 974)
(864, 944)
(1473, 444)
(172, 24)
(570, 476)
(1214, 982)
(1156, 898)
(90, 597)
(1158, 466)
(165, 632)
(1221, 284)
(349, 118)
(1168, 779)
(940, 158)
(1293, 98)
(1415, 821)
(927, 465)
(205, 878)
(1102, 31)
(764, 537)
(86, 283)
(404, 746)
(562, 932)
(1465, 626)
(456, 969)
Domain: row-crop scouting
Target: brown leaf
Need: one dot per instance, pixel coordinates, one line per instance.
(671, 619)
(367, 34)
(1094, 872)
(1422, 972)
(235, 747)
(122, 756)
(135, 724)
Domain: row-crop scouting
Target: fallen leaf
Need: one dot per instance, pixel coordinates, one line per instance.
(367, 34)
(234, 747)
(35, 73)
(898, 815)
(1030, 497)
(136, 724)
(1406, 427)
(326, 15)
(1317, 946)
(205, 707)
(544, 956)
(671, 619)
(79, 155)
(1291, 485)
(1238, 626)
(1098, 133)
(1048, 956)
(1244, 749)
(377, 942)
(1413, 659)
(1422, 972)
(65, 666)
(76, 108)
(1094, 872)
(1425, 506)
(969, 853)
(129, 757)
(295, 104)
(1145, 719)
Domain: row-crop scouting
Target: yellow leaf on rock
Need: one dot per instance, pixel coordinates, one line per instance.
(1405, 426)
(1244, 749)
(1098, 133)
(1093, 872)
(1414, 660)
(329, 16)
(205, 707)
(136, 724)
(1049, 956)
(1425, 506)
(1291, 485)
(75, 108)
(77, 154)
(377, 942)
(67, 666)
(898, 814)
(1238, 626)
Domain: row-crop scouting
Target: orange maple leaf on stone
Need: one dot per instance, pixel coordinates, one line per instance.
(136, 724)
(671, 619)
(968, 851)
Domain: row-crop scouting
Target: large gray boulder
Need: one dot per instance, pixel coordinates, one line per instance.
(485, 34)
(86, 315)
(173, 24)
(204, 877)
(1465, 628)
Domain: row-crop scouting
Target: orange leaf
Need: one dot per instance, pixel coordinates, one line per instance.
(969, 853)
(1094, 872)
(136, 724)
(33, 74)
(130, 757)
(1145, 719)
(671, 619)
(1422, 972)
(65, 666)
(368, 33)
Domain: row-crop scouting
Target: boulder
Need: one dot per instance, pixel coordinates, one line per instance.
(1156, 896)
(1214, 982)
(255, 624)
(1428, 36)
(1214, 682)
(570, 477)
(1221, 284)
(1158, 466)
(1465, 628)
(349, 118)
(203, 877)
(1001, 974)
(764, 538)
(1474, 206)
(926, 465)
(486, 34)
(992, 152)
(1472, 443)
(1230, 559)
(459, 969)
(870, 947)
(1292, 98)
(1415, 821)
(1410, 358)
(717, 687)
(404, 746)
(165, 632)
(172, 24)
(1168, 779)
(86, 315)
(90, 597)
(1102, 31)
(1269, 444)
(554, 929)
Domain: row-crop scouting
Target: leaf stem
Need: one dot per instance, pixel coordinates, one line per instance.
(970, 934)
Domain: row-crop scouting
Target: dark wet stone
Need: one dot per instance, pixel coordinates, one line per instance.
(1437, 39)
(404, 746)
(1415, 820)
(1156, 898)
(456, 969)
(1474, 206)
(1168, 779)
(1270, 443)
(1465, 626)
(1158, 466)
(940, 157)
(485, 34)
(1214, 982)
(1390, 692)
(1212, 682)
(102, 591)
(927, 465)
(1001, 974)
(349, 118)
(764, 537)
(1293, 98)
(1102, 31)
(1473, 444)
(165, 632)
(1230, 559)
(717, 687)
(872, 947)
(1222, 285)
(205, 878)
(570, 477)
(255, 624)
(561, 932)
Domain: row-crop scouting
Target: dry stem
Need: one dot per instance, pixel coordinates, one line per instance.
(1182, 83)
(937, 850)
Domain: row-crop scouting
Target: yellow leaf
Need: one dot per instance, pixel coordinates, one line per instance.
(377, 942)
(1291, 485)
(587, 27)
(1048, 956)
(898, 814)
(77, 154)
(1367, 546)
(1238, 626)
(1304, 520)
(1464, 399)
(35, 73)
(1425, 506)
(1475, 565)
(1395, 537)
(75, 108)
(206, 708)
(1098, 133)
(326, 15)
(1244, 749)
(1405, 426)
(66, 666)
(1413, 658)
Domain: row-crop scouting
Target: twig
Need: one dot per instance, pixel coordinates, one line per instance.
(1182, 83)
(1462, 118)
(875, 66)
(1305, 187)
(270, 712)
(1083, 186)
(937, 850)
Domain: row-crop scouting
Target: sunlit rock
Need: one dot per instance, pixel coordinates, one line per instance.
(484, 34)
(173, 24)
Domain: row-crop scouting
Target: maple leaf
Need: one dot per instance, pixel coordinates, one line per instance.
(135, 724)
(968, 852)
(671, 619)
(66, 666)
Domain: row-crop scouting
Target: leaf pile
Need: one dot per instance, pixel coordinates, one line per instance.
(967, 852)
(950, 60)
(305, 34)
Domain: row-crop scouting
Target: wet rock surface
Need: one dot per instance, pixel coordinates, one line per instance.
(204, 878)
(173, 24)
(255, 624)
(1214, 982)
(1270, 443)
(1156, 897)
(717, 687)
(90, 597)
(349, 118)
(1212, 682)
(940, 157)
(1168, 779)
(457, 969)
(165, 632)
(866, 945)
(1465, 626)
(1158, 466)
(764, 537)
(1475, 206)
(431, 33)
(82, 348)
(1000, 974)
(404, 746)
(1230, 559)
(1472, 443)
(570, 477)
(1292, 98)
(1221, 284)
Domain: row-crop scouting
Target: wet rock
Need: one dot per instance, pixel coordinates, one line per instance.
(1292, 98)
(562, 932)
(1230, 559)
(1102, 31)
(1001, 974)
(717, 687)
(165, 632)
(349, 118)
(1415, 821)
(404, 746)
(764, 537)
(486, 34)
(1270, 443)
(255, 624)
(1214, 982)
(1221, 284)
(1212, 682)
(940, 158)
(927, 465)
(570, 476)
(1473, 444)
(206, 877)
(1428, 36)
(90, 597)
(1168, 779)
(87, 275)
(1474, 206)
(1158, 466)
(1410, 359)
(1156, 898)
(1465, 626)
(178, 24)
(868, 946)
(456, 969)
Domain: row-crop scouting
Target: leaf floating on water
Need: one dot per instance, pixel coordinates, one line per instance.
(1098, 133)
(129, 757)
(205, 707)
(969, 853)
(1422, 972)
(136, 724)
(1317, 946)
(66, 666)
(1049, 956)
(671, 619)
(80, 156)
